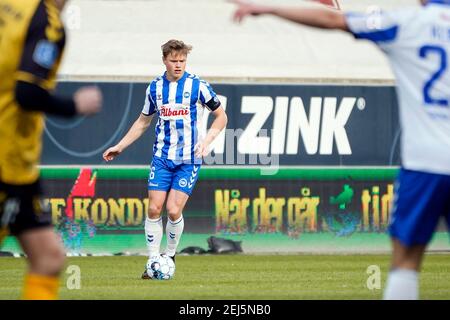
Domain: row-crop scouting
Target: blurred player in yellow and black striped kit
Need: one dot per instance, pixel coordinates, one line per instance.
(32, 41)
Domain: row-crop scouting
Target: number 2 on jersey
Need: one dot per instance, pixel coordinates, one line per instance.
(424, 52)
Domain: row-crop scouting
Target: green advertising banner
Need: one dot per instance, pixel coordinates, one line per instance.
(102, 210)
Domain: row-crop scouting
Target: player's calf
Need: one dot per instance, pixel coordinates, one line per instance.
(45, 254)
(174, 230)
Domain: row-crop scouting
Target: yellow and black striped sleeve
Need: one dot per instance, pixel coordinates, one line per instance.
(43, 47)
(41, 55)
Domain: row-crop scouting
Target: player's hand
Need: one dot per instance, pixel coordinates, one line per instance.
(246, 8)
(88, 100)
(111, 153)
(201, 150)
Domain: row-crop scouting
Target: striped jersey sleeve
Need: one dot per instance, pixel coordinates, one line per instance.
(149, 107)
(208, 97)
(382, 28)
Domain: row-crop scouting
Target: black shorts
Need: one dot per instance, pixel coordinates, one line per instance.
(22, 208)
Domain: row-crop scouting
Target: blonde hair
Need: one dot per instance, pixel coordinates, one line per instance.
(175, 45)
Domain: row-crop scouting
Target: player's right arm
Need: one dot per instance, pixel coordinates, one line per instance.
(42, 51)
(382, 28)
(313, 17)
(135, 132)
(137, 129)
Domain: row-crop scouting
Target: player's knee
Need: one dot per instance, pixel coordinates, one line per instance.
(154, 211)
(173, 211)
(49, 262)
(56, 260)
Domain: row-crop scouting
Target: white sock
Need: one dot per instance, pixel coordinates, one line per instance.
(174, 229)
(153, 235)
(402, 284)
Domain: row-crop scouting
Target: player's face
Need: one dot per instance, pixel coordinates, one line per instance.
(175, 65)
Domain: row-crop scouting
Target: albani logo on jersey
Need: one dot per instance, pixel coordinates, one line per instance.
(174, 111)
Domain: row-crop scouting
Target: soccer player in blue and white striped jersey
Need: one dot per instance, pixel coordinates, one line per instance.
(179, 98)
(417, 43)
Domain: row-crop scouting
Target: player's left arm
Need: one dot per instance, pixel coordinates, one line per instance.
(219, 123)
(35, 77)
(209, 99)
(313, 17)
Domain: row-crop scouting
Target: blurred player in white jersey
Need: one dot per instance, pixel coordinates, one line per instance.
(179, 99)
(417, 44)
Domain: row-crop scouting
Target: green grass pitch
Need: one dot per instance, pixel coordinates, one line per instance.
(234, 277)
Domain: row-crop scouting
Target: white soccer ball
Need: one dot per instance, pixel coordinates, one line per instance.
(160, 267)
